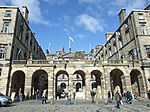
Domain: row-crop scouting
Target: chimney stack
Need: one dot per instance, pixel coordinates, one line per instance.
(25, 13)
(108, 35)
(122, 15)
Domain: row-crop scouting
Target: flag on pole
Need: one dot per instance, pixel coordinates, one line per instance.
(71, 39)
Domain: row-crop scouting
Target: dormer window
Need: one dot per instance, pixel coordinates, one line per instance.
(126, 25)
(141, 16)
(8, 13)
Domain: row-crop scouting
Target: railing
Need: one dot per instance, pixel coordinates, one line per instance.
(19, 62)
(145, 63)
(115, 61)
(80, 62)
(40, 62)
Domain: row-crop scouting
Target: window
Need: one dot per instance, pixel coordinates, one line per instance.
(5, 27)
(147, 50)
(0, 71)
(110, 53)
(2, 52)
(141, 16)
(8, 13)
(143, 30)
(120, 42)
(63, 76)
(77, 76)
(115, 48)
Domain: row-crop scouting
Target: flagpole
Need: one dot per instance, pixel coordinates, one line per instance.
(49, 46)
(69, 43)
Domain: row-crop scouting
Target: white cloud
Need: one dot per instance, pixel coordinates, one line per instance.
(89, 23)
(94, 7)
(80, 36)
(90, 1)
(35, 14)
(57, 2)
(129, 5)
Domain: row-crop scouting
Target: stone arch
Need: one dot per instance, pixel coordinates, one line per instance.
(79, 80)
(116, 80)
(136, 82)
(18, 81)
(62, 83)
(96, 76)
(39, 81)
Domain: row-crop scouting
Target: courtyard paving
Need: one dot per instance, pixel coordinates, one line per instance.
(78, 106)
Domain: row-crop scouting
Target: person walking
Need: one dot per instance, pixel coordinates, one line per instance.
(148, 94)
(109, 97)
(37, 93)
(44, 96)
(93, 96)
(118, 98)
(68, 98)
(20, 95)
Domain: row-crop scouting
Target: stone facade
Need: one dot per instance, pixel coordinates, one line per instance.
(122, 63)
(17, 41)
(131, 41)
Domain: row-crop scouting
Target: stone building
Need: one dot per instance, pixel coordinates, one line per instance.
(122, 63)
(17, 42)
(131, 42)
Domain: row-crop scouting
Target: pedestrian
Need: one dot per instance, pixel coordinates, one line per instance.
(118, 98)
(109, 97)
(20, 95)
(130, 98)
(37, 93)
(148, 94)
(44, 96)
(93, 96)
(68, 98)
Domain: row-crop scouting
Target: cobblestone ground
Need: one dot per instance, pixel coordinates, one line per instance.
(79, 106)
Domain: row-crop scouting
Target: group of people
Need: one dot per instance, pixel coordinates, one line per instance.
(128, 97)
(117, 96)
(19, 96)
(43, 97)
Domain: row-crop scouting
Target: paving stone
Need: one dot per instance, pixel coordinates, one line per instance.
(81, 106)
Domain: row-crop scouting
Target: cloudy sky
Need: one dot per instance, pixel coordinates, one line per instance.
(85, 21)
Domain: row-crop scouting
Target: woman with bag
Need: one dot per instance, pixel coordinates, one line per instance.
(118, 98)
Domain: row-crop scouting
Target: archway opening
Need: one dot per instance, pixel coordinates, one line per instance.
(78, 87)
(61, 84)
(39, 82)
(95, 79)
(136, 82)
(18, 82)
(79, 81)
(116, 81)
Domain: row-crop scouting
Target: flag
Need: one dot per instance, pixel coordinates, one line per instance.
(63, 51)
(71, 39)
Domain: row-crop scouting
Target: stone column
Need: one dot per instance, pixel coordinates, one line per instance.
(28, 85)
(87, 86)
(142, 87)
(127, 83)
(107, 84)
(71, 84)
(51, 86)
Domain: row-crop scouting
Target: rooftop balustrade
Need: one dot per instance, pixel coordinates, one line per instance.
(77, 62)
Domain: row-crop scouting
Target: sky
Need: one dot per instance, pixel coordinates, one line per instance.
(85, 21)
